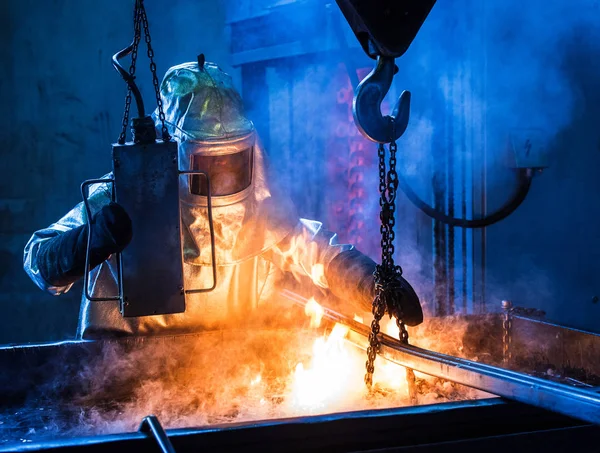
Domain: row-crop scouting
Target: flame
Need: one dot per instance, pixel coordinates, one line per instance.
(317, 274)
(392, 329)
(326, 378)
(336, 370)
(299, 255)
(314, 311)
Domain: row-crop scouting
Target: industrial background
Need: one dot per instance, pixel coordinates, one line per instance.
(478, 72)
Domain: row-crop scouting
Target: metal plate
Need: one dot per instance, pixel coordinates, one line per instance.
(147, 186)
(388, 25)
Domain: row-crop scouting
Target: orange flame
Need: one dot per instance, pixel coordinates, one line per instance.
(336, 370)
(325, 379)
(314, 311)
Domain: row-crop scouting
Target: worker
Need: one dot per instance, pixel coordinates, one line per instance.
(259, 238)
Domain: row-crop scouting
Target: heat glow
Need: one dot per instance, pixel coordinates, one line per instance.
(334, 373)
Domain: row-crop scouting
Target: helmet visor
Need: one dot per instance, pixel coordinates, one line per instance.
(228, 173)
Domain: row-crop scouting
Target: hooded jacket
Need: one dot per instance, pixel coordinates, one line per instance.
(259, 238)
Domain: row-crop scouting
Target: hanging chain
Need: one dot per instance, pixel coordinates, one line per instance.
(392, 180)
(373, 348)
(134, 52)
(161, 114)
(141, 19)
(387, 273)
(507, 331)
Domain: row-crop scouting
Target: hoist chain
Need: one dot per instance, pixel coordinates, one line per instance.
(507, 336)
(161, 114)
(141, 19)
(134, 52)
(387, 274)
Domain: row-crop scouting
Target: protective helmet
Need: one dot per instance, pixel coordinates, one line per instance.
(205, 114)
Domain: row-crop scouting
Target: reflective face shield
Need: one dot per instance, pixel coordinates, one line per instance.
(228, 173)
(228, 164)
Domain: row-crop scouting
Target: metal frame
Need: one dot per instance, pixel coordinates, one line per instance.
(486, 423)
(466, 426)
(86, 277)
(211, 231)
(84, 193)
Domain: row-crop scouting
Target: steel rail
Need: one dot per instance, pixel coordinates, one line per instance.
(573, 402)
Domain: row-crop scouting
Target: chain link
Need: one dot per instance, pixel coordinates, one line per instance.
(507, 337)
(140, 19)
(161, 114)
(387, 273)
(134, 52)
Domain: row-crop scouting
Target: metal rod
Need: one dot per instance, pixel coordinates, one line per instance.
(150, 424)
(86, 276)
(211, 229)
(573, 402)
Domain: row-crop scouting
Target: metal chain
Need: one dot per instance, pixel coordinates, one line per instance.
(134, 52)
(373, 348)
(392, 182)
(403, 332)
(141, 19)
(161, 114)
(387, 273)
(507, 337)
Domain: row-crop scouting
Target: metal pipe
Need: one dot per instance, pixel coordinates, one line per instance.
(560, 398)
(151, 425)
(573, 402)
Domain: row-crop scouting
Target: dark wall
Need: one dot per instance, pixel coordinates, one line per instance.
(547, 254)
(61, 109)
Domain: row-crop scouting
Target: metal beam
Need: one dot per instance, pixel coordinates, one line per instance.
(573, 402)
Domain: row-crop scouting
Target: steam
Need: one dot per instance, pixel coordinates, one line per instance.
(208, 379)
(478, 71)
(223, 377)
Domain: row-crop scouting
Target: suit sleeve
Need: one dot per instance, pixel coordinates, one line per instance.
(99, 195)
(312, 251)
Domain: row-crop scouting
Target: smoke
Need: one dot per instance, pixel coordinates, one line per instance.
(213, 378)
(476, 71)
(481, 74)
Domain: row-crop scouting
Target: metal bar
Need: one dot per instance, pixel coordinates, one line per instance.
(211, 230)
(573, 402)
(150, 424)
(86, 277)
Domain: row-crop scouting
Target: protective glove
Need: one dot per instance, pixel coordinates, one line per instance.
(350, 278)
(61, 260)
(405, 303)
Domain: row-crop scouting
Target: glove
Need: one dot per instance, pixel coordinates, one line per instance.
(350, 277)
(405, 302)
(61, 260)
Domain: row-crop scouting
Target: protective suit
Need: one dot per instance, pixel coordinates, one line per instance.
(259, 238)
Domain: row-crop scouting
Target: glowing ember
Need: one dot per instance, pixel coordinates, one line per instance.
(334, 375)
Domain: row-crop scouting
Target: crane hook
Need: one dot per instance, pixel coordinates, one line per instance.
(366, 106)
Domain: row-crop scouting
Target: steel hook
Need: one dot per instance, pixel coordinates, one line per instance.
(366, 106)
